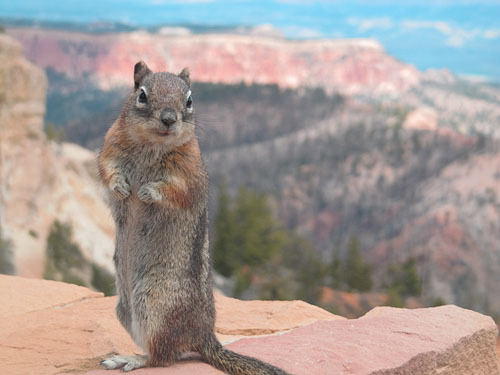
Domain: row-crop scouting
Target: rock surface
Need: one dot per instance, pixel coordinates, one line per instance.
(423, 118)
(55, 328)
(23, 296)
(264, 317)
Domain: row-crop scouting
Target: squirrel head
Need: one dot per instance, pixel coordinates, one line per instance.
(160, 109)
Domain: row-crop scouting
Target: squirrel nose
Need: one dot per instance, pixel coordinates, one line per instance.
(168, 117)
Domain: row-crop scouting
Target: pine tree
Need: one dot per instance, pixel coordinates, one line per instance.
(252, 246)
(357, 273)
(258, 236)
(311, 271)
(335, 270)
(296, 271)
(410, 279)
(404, 277)
(224, 244)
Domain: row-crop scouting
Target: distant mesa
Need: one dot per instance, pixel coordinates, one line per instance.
(350, 66)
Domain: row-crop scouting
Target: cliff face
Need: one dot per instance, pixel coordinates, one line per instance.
(23, 153)
(41, 181)
(347, 66)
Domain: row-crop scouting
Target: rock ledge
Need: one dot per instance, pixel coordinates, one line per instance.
(55, 328)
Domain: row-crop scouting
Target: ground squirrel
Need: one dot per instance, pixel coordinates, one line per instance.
(157, 187)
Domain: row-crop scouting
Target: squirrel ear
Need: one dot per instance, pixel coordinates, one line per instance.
(185, 76)
(141, 70)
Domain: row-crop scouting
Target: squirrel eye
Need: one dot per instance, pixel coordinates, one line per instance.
(142, 97)
(189, 102)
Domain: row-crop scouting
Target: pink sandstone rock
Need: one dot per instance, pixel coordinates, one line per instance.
(250, 318)
(72, 335)
(20, 295)
(50, 327)
(442, 340)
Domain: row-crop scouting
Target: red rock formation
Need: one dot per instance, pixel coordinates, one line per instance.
(349, 66)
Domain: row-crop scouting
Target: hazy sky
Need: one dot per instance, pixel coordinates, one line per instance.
(463, 36)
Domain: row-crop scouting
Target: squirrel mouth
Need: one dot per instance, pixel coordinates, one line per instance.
(163, 133)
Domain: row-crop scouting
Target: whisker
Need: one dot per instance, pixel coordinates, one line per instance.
(198, 126)
(205, 116)
(207, 122)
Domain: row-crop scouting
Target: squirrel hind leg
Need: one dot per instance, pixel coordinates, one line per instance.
(163, 352)
(125, 362)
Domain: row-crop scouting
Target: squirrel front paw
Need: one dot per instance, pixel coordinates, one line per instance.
(150, 193)
(119, 187)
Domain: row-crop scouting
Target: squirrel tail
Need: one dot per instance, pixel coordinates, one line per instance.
(233, 363)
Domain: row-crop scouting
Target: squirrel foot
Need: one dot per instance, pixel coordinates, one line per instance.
(119, 187)
(125, 362)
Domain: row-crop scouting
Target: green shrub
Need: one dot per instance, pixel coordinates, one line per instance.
(438, 301)
(6, 254)
(62, 256)
(103, 280)
(54, 133)
(394, 298)
(64, 261)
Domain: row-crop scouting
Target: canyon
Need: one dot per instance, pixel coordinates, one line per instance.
(345, 139)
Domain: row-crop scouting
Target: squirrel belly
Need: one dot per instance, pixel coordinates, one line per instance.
(157, 189)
